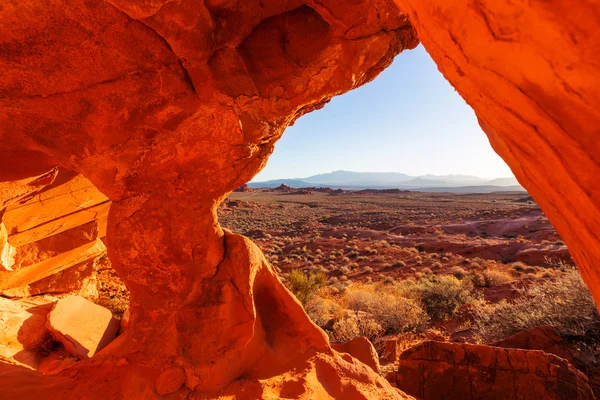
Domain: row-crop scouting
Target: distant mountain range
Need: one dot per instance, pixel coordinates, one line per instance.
(395, 180)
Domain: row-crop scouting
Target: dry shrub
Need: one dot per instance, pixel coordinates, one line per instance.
(494, 277)
(353, 325)
(441, 296)
(564, 303)
(305, 286)
(458, 272)
(395, 314)
(323, 311)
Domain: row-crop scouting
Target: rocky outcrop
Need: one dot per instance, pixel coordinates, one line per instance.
(83, 327)
(361, 349)
(441, 370)
(542, 338)
(170, 107)
(167, 106)
(51, 235)
(23, 334)
(245, 189)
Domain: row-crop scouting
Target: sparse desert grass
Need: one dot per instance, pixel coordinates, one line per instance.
(387, 246)
(458, 272)
(494, 277)
(563, 302)
(441, 296)
(392, 312)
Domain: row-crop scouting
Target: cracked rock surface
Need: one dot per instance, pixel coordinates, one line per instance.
(439, 370)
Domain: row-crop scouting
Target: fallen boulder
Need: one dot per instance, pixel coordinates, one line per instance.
(441, 370)
(84, 328)
(361, 349)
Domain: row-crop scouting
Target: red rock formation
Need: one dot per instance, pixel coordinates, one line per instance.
(23, 334)
(245, 189)
(439, 370)
(542, 338)
(167, 106)
(531, 73)
(361, 349)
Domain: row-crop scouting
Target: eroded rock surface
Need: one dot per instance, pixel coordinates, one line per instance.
(23, 332)
(168, 106)
(542, 338)
(441, 370)
(361, 349)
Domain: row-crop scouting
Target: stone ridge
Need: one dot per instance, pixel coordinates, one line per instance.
(441, 370)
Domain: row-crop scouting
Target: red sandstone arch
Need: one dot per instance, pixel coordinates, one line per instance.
(168, 106)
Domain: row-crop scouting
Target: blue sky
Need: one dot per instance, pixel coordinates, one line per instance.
(409, 119)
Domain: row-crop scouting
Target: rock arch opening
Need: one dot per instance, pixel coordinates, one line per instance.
(166, 107)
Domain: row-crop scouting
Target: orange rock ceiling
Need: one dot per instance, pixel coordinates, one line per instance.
(168, 106)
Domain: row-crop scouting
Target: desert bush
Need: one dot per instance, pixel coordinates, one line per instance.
(323, 311)
(305, 286)
(458, 272)
(494, 277)
(479, 260)
(395, 314)
(441, 295)
(477, 279)
(519, 266)
(351, 325)
(564, 303)
(352, 254)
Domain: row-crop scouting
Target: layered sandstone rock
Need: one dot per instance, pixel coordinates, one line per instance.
(441, 370)
(170, 107)
(49, 238)
(167, 106)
